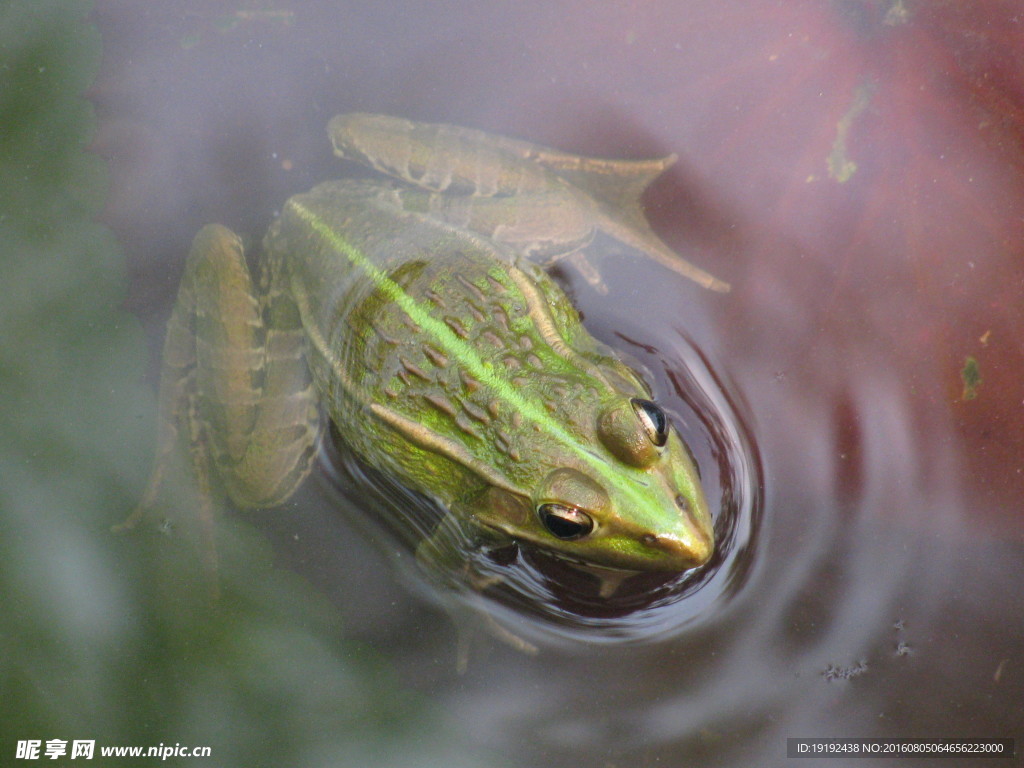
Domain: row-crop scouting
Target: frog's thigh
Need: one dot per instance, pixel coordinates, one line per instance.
(254, 389)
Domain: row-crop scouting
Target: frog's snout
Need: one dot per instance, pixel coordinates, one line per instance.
(682, 552)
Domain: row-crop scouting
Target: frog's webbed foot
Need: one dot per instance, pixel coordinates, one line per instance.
(648, 243)
(615, 189)
(182, 475)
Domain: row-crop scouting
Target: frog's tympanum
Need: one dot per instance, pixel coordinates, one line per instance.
(415, 314)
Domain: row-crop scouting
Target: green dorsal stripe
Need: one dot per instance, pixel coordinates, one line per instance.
(474, 364)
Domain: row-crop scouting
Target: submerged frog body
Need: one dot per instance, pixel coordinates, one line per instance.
(442, 355)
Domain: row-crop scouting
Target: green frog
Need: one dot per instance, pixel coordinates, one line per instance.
(415, 314)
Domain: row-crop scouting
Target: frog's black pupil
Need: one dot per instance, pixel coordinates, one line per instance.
(566, 523)
(653, 418)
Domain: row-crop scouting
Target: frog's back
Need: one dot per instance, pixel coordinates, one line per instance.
(332, 238)
(386, 284)
(431, 331)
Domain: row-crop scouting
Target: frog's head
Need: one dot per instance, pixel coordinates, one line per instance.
(633, 502)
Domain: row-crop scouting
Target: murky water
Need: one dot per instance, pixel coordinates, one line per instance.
(856, 403)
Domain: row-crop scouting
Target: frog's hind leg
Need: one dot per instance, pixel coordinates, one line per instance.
(545, 228)
(256, 400)
(177, 418)
(180, 434)
(235, 392)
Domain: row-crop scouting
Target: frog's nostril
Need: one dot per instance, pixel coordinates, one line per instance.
(690, 551)
(683, 503)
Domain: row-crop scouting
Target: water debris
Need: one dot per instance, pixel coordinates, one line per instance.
(835, 672)
(840, 166)
(999, 670)
(226, 22)
(970, 374)
(897, 14)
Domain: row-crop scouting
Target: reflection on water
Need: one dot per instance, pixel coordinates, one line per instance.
(870, 515)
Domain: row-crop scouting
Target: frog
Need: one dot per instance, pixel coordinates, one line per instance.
(416, 315)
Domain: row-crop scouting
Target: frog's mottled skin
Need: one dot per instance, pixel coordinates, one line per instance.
(444, 357)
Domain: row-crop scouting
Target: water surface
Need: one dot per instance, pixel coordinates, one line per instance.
(853, 169)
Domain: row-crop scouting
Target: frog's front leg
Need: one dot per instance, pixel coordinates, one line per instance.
(235, 391)
(447, 556)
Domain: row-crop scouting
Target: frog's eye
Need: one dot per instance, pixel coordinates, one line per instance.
(654, 420)
(634, 430)
(566, 523)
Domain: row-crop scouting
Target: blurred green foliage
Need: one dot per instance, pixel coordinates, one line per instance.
(114, 638)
